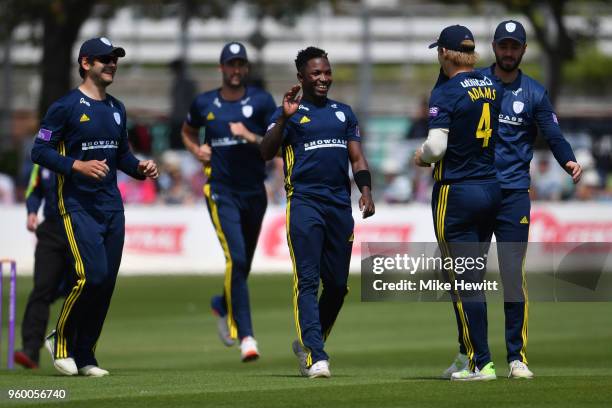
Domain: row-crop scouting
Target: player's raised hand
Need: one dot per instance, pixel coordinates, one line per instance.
(366, 203)
(95, 169)
(574, 170)
(148, 168)
(291, 101)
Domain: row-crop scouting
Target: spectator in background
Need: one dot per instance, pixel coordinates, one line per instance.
(183, 91)
(419, 126)
(173, 186)
(546, 184)
(7, 189)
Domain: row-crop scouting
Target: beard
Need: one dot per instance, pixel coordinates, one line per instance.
(507, 64)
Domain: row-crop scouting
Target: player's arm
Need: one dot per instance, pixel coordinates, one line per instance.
(240, 131)
(34, 196)
(276, 131)
(362, 177)
(433, 149)
(549, 127)
(191, 141)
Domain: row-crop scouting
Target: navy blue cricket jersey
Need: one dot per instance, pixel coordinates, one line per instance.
(235, 163)
(468, 105)
(315, 151)
(525, 107)
(77, 127)
(42, 186)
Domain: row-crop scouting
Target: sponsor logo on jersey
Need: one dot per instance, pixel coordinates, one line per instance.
(304, 108)
(83, 101)
(518, 91)
(554, 118)
(524, 220)
(245, 101)
(304, 119)
(470, 82)
(84, 118)
(44, 134)
(117, 117)
(247, 111)
(323, 143)
(270, 126)
(511, 120)
(357, 131)
(210, 116)
(340, 115)
(433, 111)
(226, 141)
(217, 103)
(100, 144)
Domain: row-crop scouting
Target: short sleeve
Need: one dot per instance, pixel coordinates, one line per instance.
(439, 110)
(277, 113)
(52, 126)
(352, 129)
(194, 116)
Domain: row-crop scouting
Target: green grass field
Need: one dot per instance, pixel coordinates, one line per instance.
(162, 350)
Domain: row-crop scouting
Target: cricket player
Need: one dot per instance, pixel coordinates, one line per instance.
(51, 263)
(463, 114)
(525, 108)
(319, 137)
(83, 139)
(235, 117)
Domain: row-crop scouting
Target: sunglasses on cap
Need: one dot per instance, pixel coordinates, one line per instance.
(106, 59)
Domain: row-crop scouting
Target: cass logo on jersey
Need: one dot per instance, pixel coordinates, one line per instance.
(511, 120)
(340, 115)
(247, 111)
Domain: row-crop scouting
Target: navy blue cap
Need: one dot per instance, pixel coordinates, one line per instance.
(452, 36)
(510, 29)
(232, 51)
(96, 47)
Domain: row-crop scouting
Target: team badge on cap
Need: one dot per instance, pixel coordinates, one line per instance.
(510, 27)
(234, 48)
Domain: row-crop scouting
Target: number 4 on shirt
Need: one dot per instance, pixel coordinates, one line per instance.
(484, 131)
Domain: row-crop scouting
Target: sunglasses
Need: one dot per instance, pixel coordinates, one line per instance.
(106, 59)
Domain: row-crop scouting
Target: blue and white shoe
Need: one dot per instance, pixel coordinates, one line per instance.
(459, 364)
(219, 310)
(66, 366)
(302, 356)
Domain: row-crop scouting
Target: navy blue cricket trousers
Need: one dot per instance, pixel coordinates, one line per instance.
(464, 217)
(320, 238)
(237, 218)
(512, 234)
(96, 244)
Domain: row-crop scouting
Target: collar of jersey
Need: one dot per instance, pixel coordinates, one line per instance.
(247, 90)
